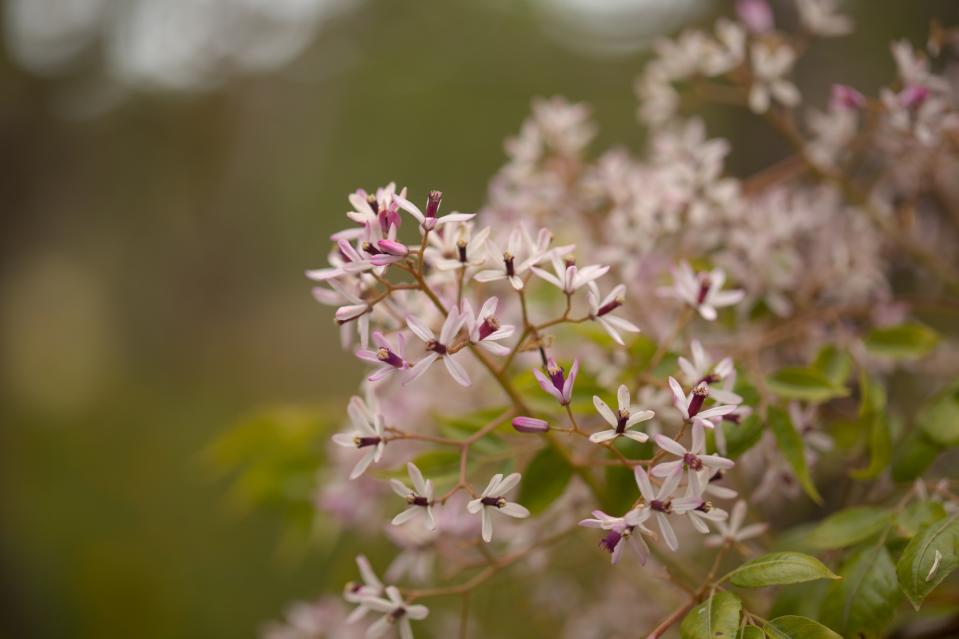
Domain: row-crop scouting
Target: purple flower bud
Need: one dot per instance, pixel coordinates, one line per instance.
(393, 247)
(913, 96)
(756, 15)
(433, 203)
(847, 97)
(530, 425)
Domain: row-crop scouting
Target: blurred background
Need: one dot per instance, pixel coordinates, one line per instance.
(170, 169)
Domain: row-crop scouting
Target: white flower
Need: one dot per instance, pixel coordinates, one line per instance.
(693, 459)
(703, 291)
(356, 593)
(419, 500)
(457, 247)
(511, 266)
(600, 310)
(690, 406)
(568, 277)
(660, 502)
(396, 612)
(484, 328)
(733, 532)
(368, 434)
(493, 499)
(769, 66)
(622, 420)
(429, 220)
(385, 357)
(820, 17)
(622, 530)
(701, 370)
(439, 348)
(697, 509)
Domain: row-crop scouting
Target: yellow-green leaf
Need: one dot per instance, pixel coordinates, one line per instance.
(796, 627)
(715, 618)
(779, 568)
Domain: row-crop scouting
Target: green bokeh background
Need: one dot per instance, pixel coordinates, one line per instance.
(151, 291)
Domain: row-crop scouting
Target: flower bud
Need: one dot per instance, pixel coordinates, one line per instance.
(530, 425)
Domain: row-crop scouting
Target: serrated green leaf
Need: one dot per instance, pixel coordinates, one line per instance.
(715, 618)
(848, 527)
(939, 419)
(863, 603)
(834, 364)
(779, 568)
(905, 341)
(919, 514)
(913, 455)
(544, 480)
(805, 384)
(928, 559)
(791, 445)
(796, 627)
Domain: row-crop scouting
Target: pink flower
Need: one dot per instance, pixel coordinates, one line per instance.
(691, 406)
(557, 384)
(659, 503)
(429, 221)
(703, 291)
(439, 348)
(622, 420)
(388, 360)
(622, 530)
(530, 425)
(691, 460)
(484, 329)
(600, 310)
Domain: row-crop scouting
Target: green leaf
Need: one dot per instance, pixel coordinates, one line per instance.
(741, 437)
(751, 632)
(544, 480)
(863, 603)
(939, 419)
(905, 341)
(796, 627)
(779, 568)
(919, 514)
(437, 464)
(834, 364)
(880, 446)
(914, 454)
(928, 559)
(715, 618)
(848, 527)
(791, 445)
(804, 383)
(621, 489)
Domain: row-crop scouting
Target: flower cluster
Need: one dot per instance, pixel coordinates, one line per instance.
(760, 301)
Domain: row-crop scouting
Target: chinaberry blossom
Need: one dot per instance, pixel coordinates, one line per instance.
(493, 498)
(770, 66)
(601, 309)
(396, 612)
(388, 358)
(820, 18)
(419, 500)
(658, 503)
(697, 509)
(484, 329)
(622, 531)
(691, 460)
(622, 420)
(439, 348)
(429, 220)
(458, 246)
(701, 370)
(732, 531)
(356, 593)
(368, 434)
(568, 277)
(556, 382)
(702, 291)
(521, 253)
(690, 406)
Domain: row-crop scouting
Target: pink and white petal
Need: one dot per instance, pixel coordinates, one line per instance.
(716, 411)
(622, 398)
(611, 330)
(501, 333)
(605, 411)
(622, 324)
(366, 572)
(721, 492)
(406, 515)
(727, 298)
(417, 612)
(750, 531)
(639, 417)
(665, 469)
(487, 525)
(507, 484)
(399, 488)
(420, 367)
(516, 282)
(362, 465)
(474, 506)
(725, 396)
(419, 483)
(668, 487)
(669, 536)
(494, 348)
(642, 481)
(489, 275)
(420, 329)
(547, 384)
(346, 440)
(379, 628)
(698, 439)
(552, 279)
(456, 371)
(512, 509)
(715, 461)
(602, 436)
(570, 379)
(455, 217)
(430, 519)
(679, 395)
(708, 312)
(384, 371)
(670, 445)
(698, 523)
(636, 435)
(688, 369)
(493, 485)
